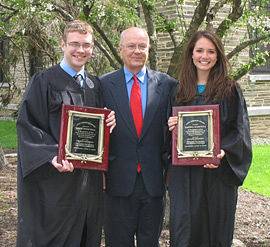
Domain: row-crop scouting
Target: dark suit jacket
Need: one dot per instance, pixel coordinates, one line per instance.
(126, 149)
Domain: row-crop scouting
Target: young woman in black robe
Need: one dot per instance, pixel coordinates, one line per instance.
(203, 198)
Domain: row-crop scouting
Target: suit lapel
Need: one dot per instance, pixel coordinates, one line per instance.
(120, 95)
(153, 99)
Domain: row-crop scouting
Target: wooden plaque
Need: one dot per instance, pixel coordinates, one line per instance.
(196, 138)
(84, 137)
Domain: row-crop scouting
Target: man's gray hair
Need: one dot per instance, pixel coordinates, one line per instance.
(139, 29)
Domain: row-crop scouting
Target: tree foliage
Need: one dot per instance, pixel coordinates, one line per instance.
(33, 27)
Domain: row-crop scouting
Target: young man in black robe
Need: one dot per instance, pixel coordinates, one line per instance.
(57, 204)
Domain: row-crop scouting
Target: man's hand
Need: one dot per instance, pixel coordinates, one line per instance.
(65, 166)
(213, 166)
(110, 121)
(172, 122)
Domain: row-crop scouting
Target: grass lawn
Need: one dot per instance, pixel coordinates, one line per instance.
(258, 179)
(8, 137)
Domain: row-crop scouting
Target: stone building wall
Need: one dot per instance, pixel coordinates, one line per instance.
(260, 126)
(20, 72)
(258, 101)
(257, 93)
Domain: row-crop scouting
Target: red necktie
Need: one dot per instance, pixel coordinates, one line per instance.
(136, 109)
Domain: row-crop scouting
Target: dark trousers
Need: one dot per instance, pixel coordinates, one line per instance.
(137, 215)
(92, 230)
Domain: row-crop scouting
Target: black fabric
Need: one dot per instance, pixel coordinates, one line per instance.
(139, 213)
(54, 207)
(203, 201)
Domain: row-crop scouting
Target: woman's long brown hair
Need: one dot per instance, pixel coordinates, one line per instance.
(218, 84)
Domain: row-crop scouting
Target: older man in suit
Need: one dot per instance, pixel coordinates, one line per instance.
(135, 184)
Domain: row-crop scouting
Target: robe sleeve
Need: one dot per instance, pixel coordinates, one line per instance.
(236, 140)
(36, 146)
(167, 147)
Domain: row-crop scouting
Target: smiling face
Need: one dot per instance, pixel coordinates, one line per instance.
(134, 48)
(204, 55)
(77, 49)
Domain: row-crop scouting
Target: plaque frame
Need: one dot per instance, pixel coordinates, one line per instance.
(82, 160)
(182, 157)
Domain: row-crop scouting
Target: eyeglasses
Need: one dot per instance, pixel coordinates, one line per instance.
(77, 45)
(133, 47)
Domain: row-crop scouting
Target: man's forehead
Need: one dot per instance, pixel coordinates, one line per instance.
(135, 38)
(79, 35)
(135, 31)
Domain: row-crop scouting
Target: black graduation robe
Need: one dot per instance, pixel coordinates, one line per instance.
(203, 201)
(54, 207)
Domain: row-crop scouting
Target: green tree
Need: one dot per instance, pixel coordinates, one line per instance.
(33, 26)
